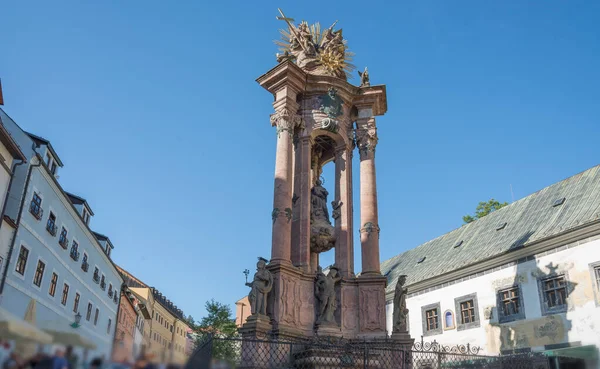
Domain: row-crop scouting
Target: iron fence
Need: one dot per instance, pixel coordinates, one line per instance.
(238, 353)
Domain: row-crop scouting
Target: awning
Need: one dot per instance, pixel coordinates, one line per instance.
(15, 328)
(578, 352)
(71, 339)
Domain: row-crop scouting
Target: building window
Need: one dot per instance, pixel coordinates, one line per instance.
(467, 310)
(65, 294)
(595, 270)
(84, 264)
(553, 294)
(510, 304)
(108, 328)
(96, 277)
(53, 282)
(102, 283)
(75, 250)
(22, 260)
(53, 168)
(62, 240)
(96, 316)
(48, 160)
(39, 273)
(76, 303)
(110, 290)
(86, 217)
(449, 320)
(431, 319)
(35, 208)
(51, 224)
(88, 315)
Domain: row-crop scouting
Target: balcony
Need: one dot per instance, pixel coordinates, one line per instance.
(96, 278)
(85, 266)
(103, 285)
(51, 228)
(63, 242)
(74, 255)
(36, 210)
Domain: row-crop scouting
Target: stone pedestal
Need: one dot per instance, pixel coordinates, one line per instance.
(328, 330)
(257, 326)
(255, 348)
(403, 339)
(371, 304)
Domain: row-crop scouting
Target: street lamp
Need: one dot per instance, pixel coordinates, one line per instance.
(77, 321)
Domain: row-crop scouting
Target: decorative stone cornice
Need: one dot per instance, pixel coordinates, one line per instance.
(285, 120)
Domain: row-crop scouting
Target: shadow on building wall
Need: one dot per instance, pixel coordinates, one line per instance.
(531, 308)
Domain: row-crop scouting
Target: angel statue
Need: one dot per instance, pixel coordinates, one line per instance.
(261, 286)
(364, 78)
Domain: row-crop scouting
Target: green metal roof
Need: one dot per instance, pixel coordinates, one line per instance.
(528, 220)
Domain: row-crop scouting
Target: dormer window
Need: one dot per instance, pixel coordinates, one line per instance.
(48, 160)
(86, 217)
(53, 168)
(107, 250)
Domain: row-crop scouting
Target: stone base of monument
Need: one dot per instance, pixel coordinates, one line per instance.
(328, 330)
(256, 326)
(403, 339)
(326, 358)
(255, 350)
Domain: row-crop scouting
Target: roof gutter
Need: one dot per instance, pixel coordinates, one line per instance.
(18, 222)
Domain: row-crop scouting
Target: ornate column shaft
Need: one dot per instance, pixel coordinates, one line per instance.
(301, 204)
(366, 139)
(285, 119)
(342, 211)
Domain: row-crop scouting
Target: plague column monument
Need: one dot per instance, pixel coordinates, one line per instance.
(320, 118)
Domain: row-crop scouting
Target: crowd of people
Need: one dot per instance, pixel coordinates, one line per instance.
(66, 359)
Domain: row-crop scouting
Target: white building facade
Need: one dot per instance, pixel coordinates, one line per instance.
(523, 278)
(57, 266)
(11, 156)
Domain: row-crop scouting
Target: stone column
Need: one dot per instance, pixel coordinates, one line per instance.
(366, 140)
(301, 204)
(344, 252)
(285, 119)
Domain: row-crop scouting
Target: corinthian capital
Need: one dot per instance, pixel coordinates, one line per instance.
(285, 120)
(366, 140)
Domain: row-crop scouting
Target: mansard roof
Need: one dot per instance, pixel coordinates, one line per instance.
(43, 141)
(557, 209)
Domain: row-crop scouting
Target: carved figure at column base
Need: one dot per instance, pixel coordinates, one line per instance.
(400, 311)
(325, 293)
(261, 286)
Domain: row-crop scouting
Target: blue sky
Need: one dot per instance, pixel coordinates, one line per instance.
(154, 109)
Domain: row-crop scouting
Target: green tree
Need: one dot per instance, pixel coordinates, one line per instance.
(220, 324)
(191, 322)
(483, 209)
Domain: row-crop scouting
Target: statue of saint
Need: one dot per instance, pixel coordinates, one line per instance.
(261, 286)
(319, 202)
(364, 78)
(400, 310)
(325, 293)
